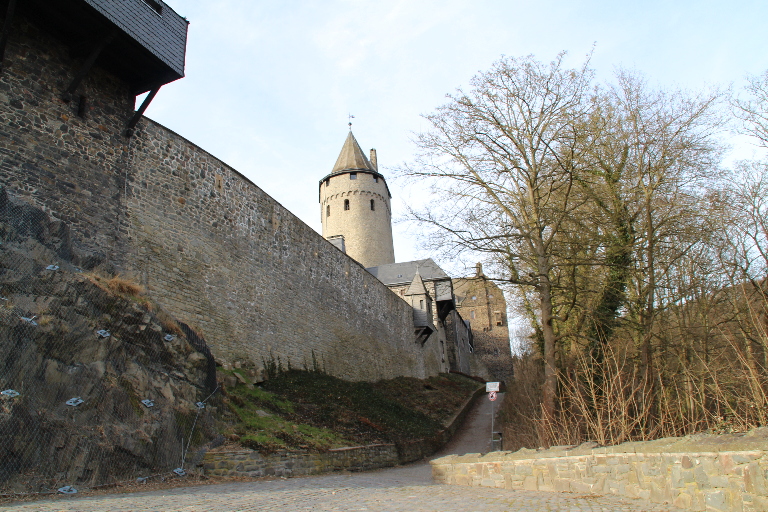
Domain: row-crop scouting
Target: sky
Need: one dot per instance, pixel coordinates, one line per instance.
(269, 84)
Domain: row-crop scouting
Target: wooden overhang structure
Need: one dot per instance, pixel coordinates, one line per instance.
(142, 42)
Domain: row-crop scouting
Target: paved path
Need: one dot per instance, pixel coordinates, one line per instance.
(409, 488)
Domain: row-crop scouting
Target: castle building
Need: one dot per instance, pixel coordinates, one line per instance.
(482, 303)
(429, 291)
(355, 207)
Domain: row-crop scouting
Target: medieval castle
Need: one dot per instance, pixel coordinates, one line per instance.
(208, 244)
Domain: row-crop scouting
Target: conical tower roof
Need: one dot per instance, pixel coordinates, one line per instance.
(352, 157)
(417, 286)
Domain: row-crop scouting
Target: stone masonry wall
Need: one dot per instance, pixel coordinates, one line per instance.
(209, 245)
(719, 474)
(252, 464)
(220, 253)
(70, 166)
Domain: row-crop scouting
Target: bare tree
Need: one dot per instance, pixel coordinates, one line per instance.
(752, 110)
(503, 157)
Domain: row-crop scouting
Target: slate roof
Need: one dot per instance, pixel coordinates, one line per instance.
(149, 45)
(163, 33)
(352, 157)
(417, 286)
(403, 273)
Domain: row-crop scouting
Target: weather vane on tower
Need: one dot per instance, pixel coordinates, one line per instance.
(351, 117)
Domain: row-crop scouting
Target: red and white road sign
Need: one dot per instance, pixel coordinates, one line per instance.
(492, 396)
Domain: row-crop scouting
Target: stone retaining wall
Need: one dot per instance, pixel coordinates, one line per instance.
(717, 473)
(287, 464)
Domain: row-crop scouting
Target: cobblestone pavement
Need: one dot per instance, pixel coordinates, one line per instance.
(408, 488)
(399, 489)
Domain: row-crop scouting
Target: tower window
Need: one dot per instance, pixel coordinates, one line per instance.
(373, 205)
(328, 211)
(346, 204)
(375, 179)
(499, 318)
(472, 315)
(353, 175)
(327, 182)
(421, 304)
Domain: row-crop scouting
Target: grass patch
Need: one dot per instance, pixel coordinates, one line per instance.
(268, 423)
(309, 410)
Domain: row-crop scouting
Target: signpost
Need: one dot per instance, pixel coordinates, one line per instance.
(492, 388)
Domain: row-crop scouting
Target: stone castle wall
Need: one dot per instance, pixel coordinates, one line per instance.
(208, 244)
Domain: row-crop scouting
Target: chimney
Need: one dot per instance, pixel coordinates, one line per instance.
(479, 268)
(373, 160)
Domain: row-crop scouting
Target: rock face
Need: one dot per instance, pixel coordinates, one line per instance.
(66, 333)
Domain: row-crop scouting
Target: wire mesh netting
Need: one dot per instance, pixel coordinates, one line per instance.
(97, 383)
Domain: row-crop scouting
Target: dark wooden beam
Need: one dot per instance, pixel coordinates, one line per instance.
(6, 30)
(137, 115)
(87, 65)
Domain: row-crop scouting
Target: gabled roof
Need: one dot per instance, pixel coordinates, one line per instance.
(403, 273)
(417, 286)
(352, 157)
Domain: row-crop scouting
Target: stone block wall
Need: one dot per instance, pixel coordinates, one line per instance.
(210, 246)
(252, 464)
(702, 474)
(72, 167)
(259, 283)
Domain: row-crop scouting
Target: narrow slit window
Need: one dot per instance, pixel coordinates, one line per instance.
(328, 211)
(421, 304)
(353, 175)
(346, 204)
(375, 179)
(472, 315)
(82, 106)
(373, 205)
(328, 182)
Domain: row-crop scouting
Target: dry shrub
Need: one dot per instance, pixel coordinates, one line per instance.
(168, 322)
(122, 285)
(521, 408)
(613, 403)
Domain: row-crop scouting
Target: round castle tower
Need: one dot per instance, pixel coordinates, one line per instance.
(355, 207)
